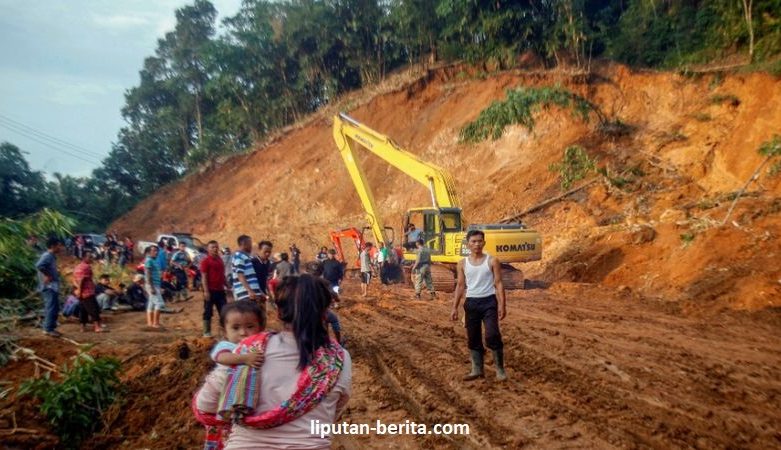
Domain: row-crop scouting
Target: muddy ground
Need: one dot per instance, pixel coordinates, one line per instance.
(589, 367)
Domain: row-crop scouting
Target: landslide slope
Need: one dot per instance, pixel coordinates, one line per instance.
(690, 143)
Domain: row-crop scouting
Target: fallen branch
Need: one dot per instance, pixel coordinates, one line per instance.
(720, 198)
(546, 203)
(30, 355)
(24, 318)
(753, 177)
(19, 430)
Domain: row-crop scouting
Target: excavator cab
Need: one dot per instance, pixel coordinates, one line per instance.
(435, 225)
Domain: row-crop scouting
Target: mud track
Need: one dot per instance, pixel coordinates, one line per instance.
(588, 368)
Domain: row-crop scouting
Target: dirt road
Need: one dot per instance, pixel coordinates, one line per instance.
(589, 368)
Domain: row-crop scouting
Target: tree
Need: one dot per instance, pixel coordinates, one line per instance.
(22, 190)
(747, 4)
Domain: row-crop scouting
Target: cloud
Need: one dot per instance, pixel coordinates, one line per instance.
(78, 92)
(123, 22)
(164, 25)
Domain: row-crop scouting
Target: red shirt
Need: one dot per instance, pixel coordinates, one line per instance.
(213, 271)
(82, 277)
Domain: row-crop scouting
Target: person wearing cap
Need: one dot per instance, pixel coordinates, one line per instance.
(135, 296)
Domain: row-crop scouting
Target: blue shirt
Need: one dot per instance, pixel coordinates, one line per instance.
(414, 235)
(47, 265)
(180, 257)
(152, 267)
(162, 259)
(242, 263)
(222, 346)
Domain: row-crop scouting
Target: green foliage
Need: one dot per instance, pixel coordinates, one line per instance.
(719, 99)
(73, 405)
(17, 258)
(772, 149)
(574, 166)
(703, 117)
(616, 128)
(203, 94)
(7, 347)
(22, 190)
(519, 108)
(687, 238)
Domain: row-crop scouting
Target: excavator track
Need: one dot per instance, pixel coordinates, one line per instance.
(444, 277)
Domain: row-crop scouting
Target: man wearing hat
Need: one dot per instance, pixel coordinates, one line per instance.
(135, 295)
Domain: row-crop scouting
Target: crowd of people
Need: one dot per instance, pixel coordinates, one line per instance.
(268, 386)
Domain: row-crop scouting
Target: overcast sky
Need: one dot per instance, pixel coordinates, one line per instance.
(64, 67)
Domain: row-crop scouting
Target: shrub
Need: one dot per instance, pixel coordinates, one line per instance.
(519, 108)
(574, 166)
(73, 405)
(17, 259)
(772, 149)
(687, 238)
(719, 99)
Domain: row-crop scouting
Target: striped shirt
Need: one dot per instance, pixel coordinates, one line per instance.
(242, 263)
(180, 257)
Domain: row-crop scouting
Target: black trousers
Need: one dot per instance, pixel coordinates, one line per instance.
(216, 299)
(481, 310)
(88, 308)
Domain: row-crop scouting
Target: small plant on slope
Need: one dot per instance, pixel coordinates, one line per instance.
(574, 166)
(771, 150)
(519, 108)
(74, 404)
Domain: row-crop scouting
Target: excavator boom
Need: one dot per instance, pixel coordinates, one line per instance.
(348, 131)
(442, 228)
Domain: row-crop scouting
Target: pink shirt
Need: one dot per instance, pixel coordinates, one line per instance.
(278, 382)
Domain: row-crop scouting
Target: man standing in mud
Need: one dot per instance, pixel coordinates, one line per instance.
(245, 281)
(480, 281)
(49, 285)
(213, 274)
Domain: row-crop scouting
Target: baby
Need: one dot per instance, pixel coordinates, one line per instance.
(238, 320)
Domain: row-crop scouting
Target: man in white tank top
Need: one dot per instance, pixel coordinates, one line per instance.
(480, 282)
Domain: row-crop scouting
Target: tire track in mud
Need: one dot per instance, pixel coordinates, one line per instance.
(426, 391)
(719, 394)
(595, 379)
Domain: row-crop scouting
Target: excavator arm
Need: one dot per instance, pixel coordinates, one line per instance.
(348, 132)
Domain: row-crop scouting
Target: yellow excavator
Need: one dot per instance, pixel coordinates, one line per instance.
(440, 224)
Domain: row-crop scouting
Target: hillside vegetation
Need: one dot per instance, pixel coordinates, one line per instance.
(648, 221)
(213, 89)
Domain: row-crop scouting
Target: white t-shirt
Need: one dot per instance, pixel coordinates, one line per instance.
(279, 376)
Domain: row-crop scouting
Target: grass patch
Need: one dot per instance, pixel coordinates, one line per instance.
(703, 117)
(706, 204)
(719, 99)
(687, 238)
(616, 128)
(574, 166)
(519, 108)
(672, 136)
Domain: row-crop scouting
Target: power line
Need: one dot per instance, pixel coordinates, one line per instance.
(48, 137)
(47, 144)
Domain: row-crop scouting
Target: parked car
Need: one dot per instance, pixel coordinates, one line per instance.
(91, 240)
(192, 243)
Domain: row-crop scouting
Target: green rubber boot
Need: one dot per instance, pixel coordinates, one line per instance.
(477, 366)
(207, 328)
(499, 365)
